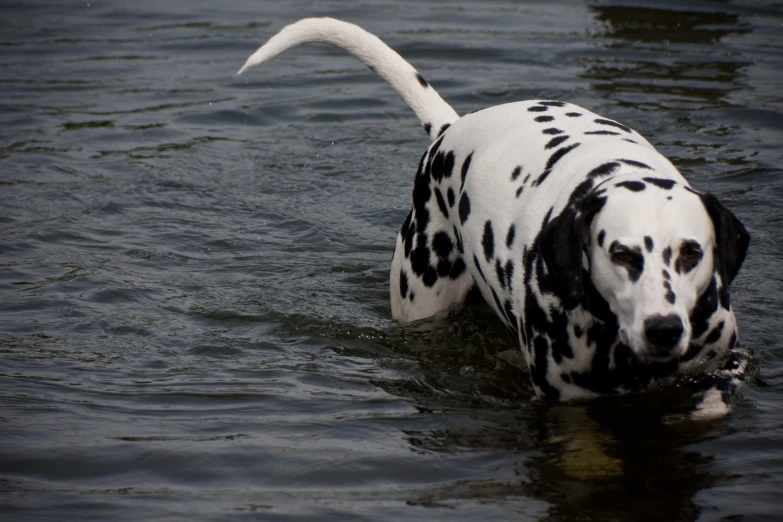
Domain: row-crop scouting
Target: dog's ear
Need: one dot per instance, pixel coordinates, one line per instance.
(561, 249)
(731, 238)
(562, 242)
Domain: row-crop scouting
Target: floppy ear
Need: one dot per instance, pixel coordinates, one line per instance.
(561, 244)
(561, 248)
(731, 238)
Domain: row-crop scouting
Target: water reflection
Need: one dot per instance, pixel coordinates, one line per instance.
(615, 459)
(619, 458)
(621, 461)
(659, 51)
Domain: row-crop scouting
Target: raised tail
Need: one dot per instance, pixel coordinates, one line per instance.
(433, 112)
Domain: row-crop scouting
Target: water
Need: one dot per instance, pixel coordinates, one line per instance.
(194, 321)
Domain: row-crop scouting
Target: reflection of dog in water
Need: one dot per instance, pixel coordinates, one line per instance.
(617, 460)
(608, 269)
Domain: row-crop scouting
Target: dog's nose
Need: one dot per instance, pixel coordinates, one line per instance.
(663, 330)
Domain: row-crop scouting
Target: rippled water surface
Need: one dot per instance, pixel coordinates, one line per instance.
(194, 322)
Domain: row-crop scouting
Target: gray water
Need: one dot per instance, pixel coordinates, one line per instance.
(194, 312)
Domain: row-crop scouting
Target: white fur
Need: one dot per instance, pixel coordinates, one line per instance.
(372, 52)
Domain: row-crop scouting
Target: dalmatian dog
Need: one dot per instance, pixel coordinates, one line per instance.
(610, 272)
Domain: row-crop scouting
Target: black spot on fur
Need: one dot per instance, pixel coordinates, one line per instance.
(554, 158)
(573, 114)
(406, 224)
(630, 141)
(580, 191)
(442, 244)
(444, 268)
(733, 340)
(448, 165)
(665, 184)
(538, 108)
(512, 230)
(457, 268)
(666, 275)
(488, 240)
(422, 219)
(637, 164)
(409, 235)
(412, 296)
(648, 243)
(667, 255)
(706, 305)
(519, 190)
(604, 133)
(551, 103)
(611, 123)
(403, 284)
(505, 274)
(442, 166)
(430, 277)
(464, 208)
(542, 119)
(601, 236)
(450, 197)
(554, 142)
(465, 167)
(714, 334)
(603, 170)
(669, 294)
(633, 186)
(420, 259)
(441, 203)
(422, 81)
(435, 167)
(723, 296)
(635, 269)
(500, 273)
(432, 153)
(501, 311)
(458, 237)
(427, 127)
(478, 267)
(509, 274)
(443, 129)
(558, 154)
(421, 194)
(552, 131)
(515, 173)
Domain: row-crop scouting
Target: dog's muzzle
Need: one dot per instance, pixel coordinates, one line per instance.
(663, 333)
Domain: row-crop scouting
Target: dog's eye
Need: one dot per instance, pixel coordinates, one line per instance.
(690, 255)
(624, 257)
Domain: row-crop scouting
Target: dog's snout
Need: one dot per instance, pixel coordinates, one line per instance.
(663, 330)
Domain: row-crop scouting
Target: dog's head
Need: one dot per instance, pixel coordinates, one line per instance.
(649, 247)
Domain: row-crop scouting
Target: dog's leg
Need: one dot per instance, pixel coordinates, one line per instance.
(428, 272)
(717, 389)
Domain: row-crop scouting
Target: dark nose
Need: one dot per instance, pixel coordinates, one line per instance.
(663, 330)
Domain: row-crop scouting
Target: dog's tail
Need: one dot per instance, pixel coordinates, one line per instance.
(434, 113)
